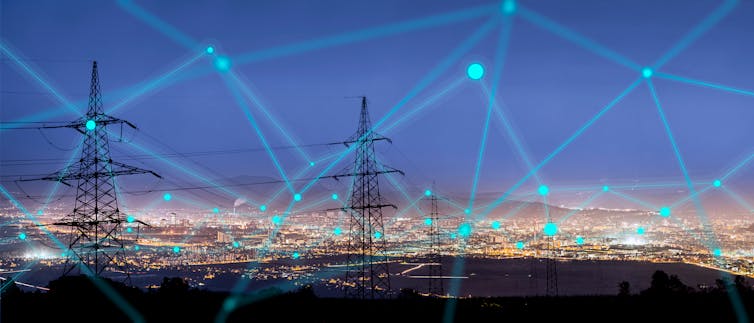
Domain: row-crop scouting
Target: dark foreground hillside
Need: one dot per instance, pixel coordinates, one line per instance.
(77, 299)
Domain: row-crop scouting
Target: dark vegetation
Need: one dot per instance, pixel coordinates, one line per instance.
(78, 299)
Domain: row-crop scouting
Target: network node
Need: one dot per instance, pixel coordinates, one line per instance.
(640, 230)
(276, 220)
(167, 197)
(90, 125)
(222, 63)
(605, 188)
(543, 190)
(427, 193)
(39, 212)
(377, 235)
(464, 230)
(453, 236)
(311, 164)
(215, 210)
(129, 230)
(475, 71)
(130, 219)
(229, 304)
(263, 208)
(235, 244)
(717, 252)
(550, 229)
(176, 249)
(467, 211)
(428, 221)
(297, 197)
(210, 50)
(579, 240)
(136, 248)
(22, 236)
(520, 245)
(337, 231)
(717, 183)
(334, 196)
(496, 225)
(295, 255)
(509, 7)
(665, 211)
(646, 72)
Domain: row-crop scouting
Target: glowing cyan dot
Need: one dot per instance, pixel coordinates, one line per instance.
(605, 188)
(130, 219)
(90, 125)
(464, 230)
(467, 211)
(428, 221)
(215, 210)
(378, 235)
(311, 164)
(717, 252)
(475, 71)
(176, 249)
(640, 231)
(646, 72)
(453, 236)
(22, 236)
(579, 240)
(135, 248)
(276, 219)
(509, 7)
(295, 255)
(496, 225)
(717, 183)
(235, 244)
(39, 212)
(297, 197)
(222, 63)
(337, 231)
(550, 229)
(665, 211)
(334, 196)
(543, 190)
(520, 245)
(427, 193)
(263, 208)
(210, 50)
(129, 230)
(167, 197)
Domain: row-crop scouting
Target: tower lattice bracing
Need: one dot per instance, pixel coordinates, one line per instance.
(552, 268)
(434, 257)
(367, 275)
(95, 243)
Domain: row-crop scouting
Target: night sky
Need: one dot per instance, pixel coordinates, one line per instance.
(549, 87)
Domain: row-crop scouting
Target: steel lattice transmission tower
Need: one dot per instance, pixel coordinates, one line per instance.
(434, 257)
(367, 275)
(96, 221)
(552, 268)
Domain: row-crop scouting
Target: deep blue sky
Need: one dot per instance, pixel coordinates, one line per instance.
(549, 86)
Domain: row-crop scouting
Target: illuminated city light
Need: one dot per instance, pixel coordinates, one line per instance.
(210, 50)
(665, 211)
(297, 197)
(646, 72)
(496, 225)
(22, 236)
(428, 221)
(167, 197)
(543, 190)
(717, 183)
(475, 71)
(90, 125)
(520, 245)
(550, 229)
(579, 240)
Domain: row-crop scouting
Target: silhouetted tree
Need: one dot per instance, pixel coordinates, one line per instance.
(174, 285)
(624, 289)
(662, 284)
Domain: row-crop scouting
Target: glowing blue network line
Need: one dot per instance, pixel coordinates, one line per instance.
(157, 23)
(499, 63)
(580, 207)
(738, 199)
(574, 37)
(45, 84)
(709, 21)
(633, 199)
(432, 99)
(682, 79)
